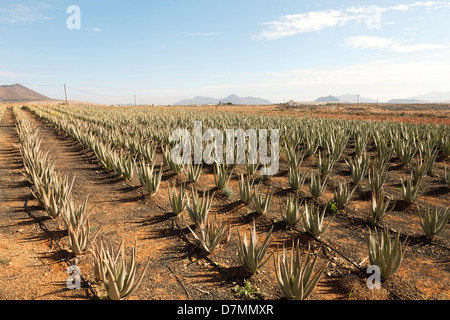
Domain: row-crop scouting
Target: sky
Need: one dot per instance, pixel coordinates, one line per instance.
(163, 51)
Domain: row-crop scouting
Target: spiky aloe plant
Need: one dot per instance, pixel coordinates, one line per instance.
(260, 200)
(379, 208)
(313, 219)
(433, 221)
(79, 241)
(377, 178)
(293, 157)
(147, 151)
(385, 253)
(359, 167)
(221, 175)
(251, 256)
(411, 190)
(246, 189)
(405, 149)
(74, 214)
(193, 172)
(123, 166)
(316, 185)
(177, 199)
(446, 177)
(211, 234)
(325, 164)
(296, 278)
(296, 178)
(343, 195)
(111, 269)
(198, 210)
(148, 178)
(293, 212)
(174, 162)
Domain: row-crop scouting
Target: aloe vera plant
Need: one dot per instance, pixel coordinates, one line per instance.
(211, 234)
(79, 241)
(148, 178)
(296, 278)
(433, 221)
(74, 214)
(316, 185)
(111, 270)
(313, 218)
(379, 208)
(193, 172)
(293, 212)
(377, 178)
(359, 167)
(251, 256)
(343, 195)
(260, 200)
(177, 199)
(325, 165)
(385, 253)
(246, 189)
(411, 190)
(198, 210)
(296, 178)
(221, 175)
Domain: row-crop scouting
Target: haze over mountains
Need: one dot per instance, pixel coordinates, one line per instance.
(234, 99)
(431, 97)
(20, 93)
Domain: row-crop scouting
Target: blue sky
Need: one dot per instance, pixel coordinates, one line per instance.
(165, 50)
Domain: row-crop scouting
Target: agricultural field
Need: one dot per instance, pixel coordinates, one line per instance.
(96, 191)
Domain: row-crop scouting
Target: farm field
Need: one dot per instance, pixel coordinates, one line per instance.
(102, 150)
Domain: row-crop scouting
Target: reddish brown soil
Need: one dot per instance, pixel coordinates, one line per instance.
(31, 267)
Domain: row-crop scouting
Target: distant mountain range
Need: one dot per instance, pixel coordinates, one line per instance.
(432, 97)
(234, 99)
(19, 93)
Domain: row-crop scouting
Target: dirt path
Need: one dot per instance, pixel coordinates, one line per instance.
(28, 266)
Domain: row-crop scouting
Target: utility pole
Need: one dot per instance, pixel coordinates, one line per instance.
(65, 92)
(135, 100)
(358, 98)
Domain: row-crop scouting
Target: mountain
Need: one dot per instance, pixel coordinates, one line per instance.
(328, 99)
(353, 98)
(19, 93)
(400, 101)
(234, 99)
(434, 96)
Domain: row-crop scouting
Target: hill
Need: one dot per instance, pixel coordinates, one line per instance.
(234, 99)
(400, 101)
(353, 98)
(19, 93)
(328, 99)
(434, 97)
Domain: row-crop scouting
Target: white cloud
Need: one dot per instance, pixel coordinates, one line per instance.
(293, 24)
(18, 13)
(390, 44)
(93, 29)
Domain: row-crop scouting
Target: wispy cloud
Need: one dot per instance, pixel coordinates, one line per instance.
(293, 24)
(93, 29)
(19, 13)
(391, 44)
